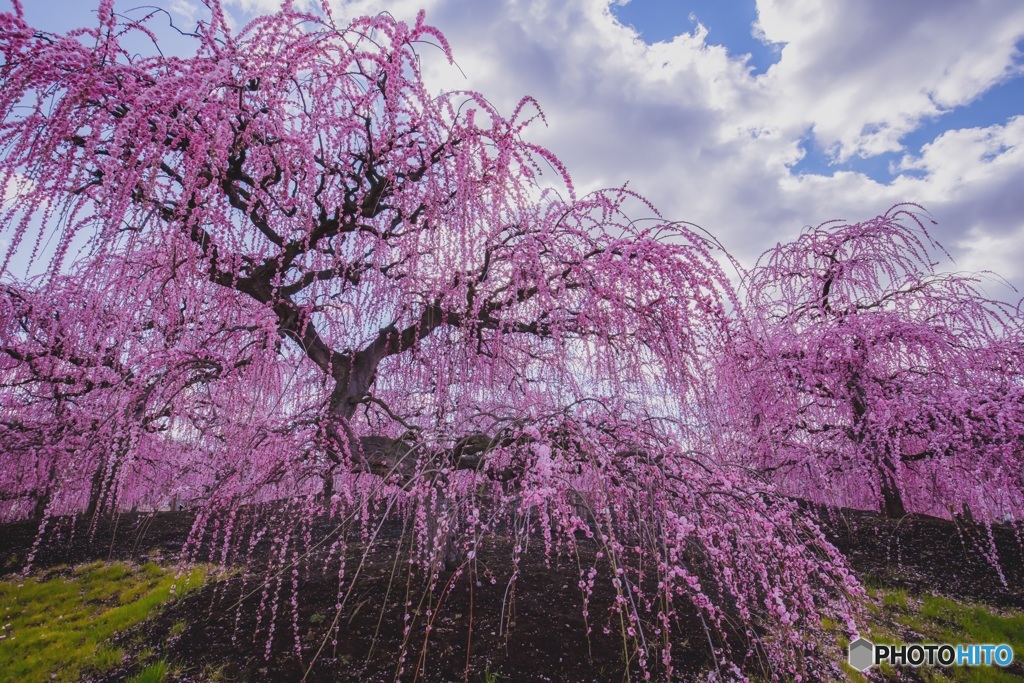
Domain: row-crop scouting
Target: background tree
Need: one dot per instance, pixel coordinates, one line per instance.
(867, 378)
(451, 339)
(94, 384)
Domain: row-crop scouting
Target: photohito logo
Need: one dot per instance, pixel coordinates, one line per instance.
(863, 654)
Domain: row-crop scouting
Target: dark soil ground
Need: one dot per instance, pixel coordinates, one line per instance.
(929, 555)
(482, 625)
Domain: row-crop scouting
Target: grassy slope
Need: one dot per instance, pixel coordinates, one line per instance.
(899, 617)
(59, 623)
(62, 622)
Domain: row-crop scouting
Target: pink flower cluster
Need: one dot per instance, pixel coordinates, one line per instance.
(312, 287)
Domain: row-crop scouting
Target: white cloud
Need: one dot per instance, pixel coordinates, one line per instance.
(187, 10)
(690, 127)
(865, 72)
(15, 186)
(973, 179)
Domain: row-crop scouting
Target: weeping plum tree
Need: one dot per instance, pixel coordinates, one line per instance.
(60, 365)
(864, 377)
(314, 281)
(92, 380)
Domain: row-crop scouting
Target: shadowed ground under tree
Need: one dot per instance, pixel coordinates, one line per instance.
(535, 631)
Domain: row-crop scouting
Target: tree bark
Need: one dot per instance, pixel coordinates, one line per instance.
(892, 498)
(892, 504)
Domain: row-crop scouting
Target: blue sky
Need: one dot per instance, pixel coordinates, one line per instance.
(751, 118)
(732, 25)
(729, 23)
(995, 106)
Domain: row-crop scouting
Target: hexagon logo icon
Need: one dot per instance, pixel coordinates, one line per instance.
(861, 654)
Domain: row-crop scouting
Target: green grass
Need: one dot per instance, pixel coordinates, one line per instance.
(941, 620)
(897, 597)
(491, 676)
(107, 657)
(177, 628)
(55, 626)
(154, 673)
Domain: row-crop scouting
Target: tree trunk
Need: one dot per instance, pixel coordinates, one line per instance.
(44, 494)
(964, 516)
(101, 491)
(42, 502)
(448, 554)
(327, 492)
(95, 493)
(892, 497)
